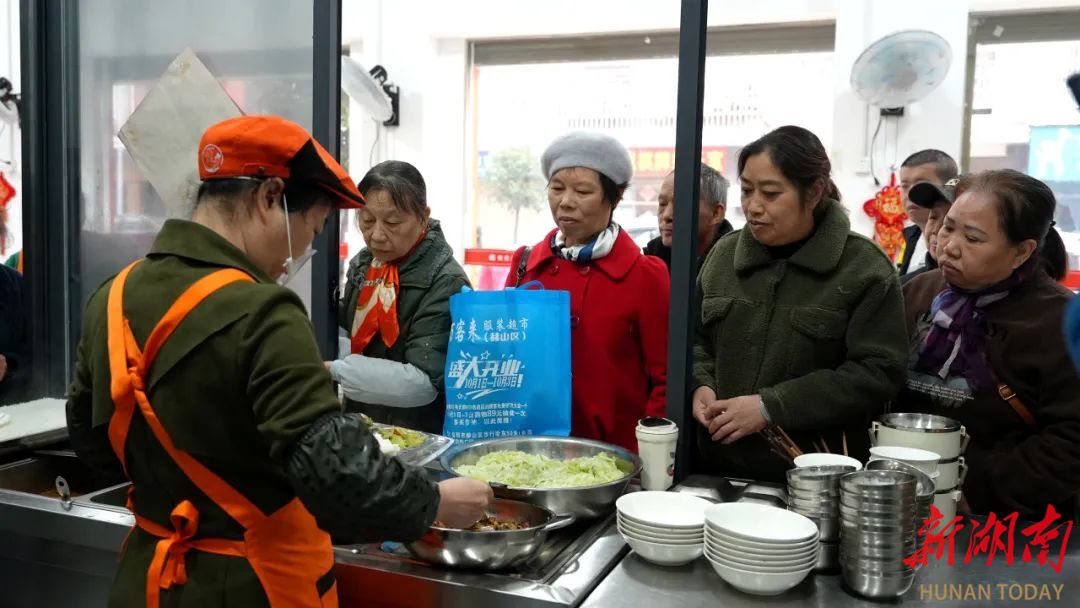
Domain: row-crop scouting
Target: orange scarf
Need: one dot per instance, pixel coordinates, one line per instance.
(376, 308)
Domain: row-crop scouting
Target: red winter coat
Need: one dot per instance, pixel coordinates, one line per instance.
(618, 334)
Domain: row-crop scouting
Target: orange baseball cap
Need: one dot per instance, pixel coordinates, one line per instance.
(270, 146)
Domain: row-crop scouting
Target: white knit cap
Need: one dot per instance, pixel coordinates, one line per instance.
(601, 153)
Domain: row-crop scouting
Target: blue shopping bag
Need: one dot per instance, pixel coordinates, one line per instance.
(508, 364)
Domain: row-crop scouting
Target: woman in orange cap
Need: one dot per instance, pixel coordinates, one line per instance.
(199, 378)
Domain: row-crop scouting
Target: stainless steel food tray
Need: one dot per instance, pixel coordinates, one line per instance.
(431, 449)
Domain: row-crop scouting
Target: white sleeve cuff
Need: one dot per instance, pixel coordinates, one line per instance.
(383, 382)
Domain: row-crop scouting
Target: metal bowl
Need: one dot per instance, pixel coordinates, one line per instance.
(881, 485)
(824, 493)
(580, 502)
(877, 508)
(877, 586)
(490, 550)
(819, 504)
(924, 485)
(817, 476)
(828, 526)
(920, 422)
(828, 557)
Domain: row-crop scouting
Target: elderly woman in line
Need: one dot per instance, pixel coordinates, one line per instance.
(801, 322)
(618, 296)
(987, 347)
(396, 305)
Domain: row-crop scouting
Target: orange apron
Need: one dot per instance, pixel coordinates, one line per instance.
(292, 558)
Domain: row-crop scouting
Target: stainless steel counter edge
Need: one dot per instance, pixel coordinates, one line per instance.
(76, 522)
(568, 585)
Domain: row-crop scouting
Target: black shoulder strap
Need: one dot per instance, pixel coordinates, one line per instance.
(522, 263)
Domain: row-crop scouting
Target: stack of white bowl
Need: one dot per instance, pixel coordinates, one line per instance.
(944, 436)
(760, 549)
(665, 528)
(814, 492)
(877, 532)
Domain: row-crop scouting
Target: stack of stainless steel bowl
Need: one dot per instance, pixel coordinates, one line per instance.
(814, 492)
(943, 436)
(924, 492)
(877, 531)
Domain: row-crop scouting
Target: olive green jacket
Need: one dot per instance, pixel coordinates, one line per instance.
(240, 385)
(820, 336)
(428, 278)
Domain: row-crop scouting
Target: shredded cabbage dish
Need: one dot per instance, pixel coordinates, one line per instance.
(521, 470)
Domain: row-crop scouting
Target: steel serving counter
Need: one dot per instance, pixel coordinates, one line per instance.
(62, 552)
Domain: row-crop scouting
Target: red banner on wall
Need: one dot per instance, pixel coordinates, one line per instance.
(658, 162)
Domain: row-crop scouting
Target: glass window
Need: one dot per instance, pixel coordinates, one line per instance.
(15, 381)
(1025, 119)
(123, 50)
(521, 108)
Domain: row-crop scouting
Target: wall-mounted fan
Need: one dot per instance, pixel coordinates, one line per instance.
(371, 90)
(901, 68)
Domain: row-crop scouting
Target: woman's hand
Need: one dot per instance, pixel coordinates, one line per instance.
(704, 405)
(740, 417)
(3, 367)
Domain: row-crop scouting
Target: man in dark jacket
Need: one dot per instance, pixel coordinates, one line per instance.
(932, 166)
(935, 201)
(711, 210)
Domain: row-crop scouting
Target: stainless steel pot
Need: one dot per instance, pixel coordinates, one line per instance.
(938, 434)
(498, 550)
(581, 502)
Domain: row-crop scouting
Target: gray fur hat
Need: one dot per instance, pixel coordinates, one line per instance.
(601, 153)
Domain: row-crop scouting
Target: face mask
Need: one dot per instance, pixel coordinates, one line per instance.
(292, 267)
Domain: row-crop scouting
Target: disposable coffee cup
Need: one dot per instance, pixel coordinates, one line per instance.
(657, 438)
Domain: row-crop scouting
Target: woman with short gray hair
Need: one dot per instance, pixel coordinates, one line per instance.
(396, 305)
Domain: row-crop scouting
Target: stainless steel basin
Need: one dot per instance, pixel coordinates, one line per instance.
(37, 475)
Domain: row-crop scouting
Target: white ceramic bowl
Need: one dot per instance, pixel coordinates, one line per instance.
(819, 459)
(758, 566)
(727, 545)
(672, 533)
(761, 523)
(663, 540)
(665, 555)
(664, 509)
(683, 530)
(714, 533)
(759, 583)
(768, 564)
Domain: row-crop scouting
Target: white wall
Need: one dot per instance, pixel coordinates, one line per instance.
(934, 122)
(423, 45)
(10, 140)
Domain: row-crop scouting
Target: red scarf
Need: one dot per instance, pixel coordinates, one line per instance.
(376, 307)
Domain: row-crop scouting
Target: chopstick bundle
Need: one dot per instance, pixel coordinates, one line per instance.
(781, 443)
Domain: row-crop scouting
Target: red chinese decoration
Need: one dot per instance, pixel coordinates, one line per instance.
(887, 210)
(7, 191)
